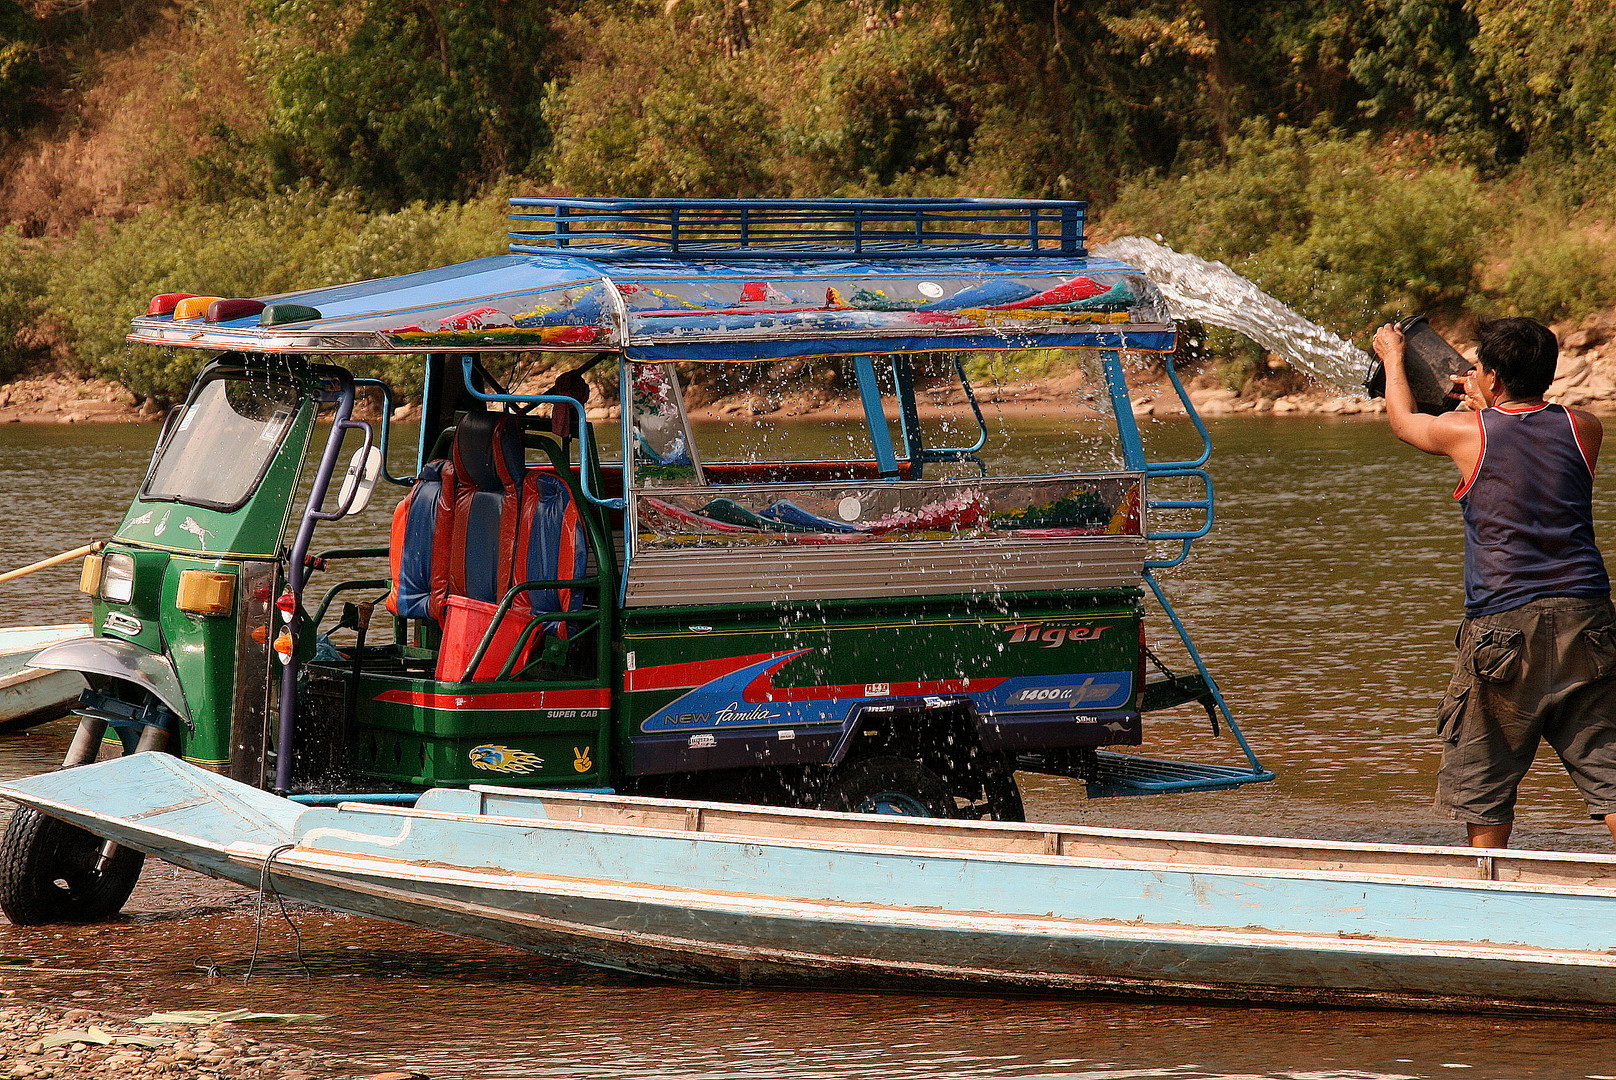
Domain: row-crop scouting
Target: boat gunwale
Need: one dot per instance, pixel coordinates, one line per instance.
(1030, 827)
(1141, 865)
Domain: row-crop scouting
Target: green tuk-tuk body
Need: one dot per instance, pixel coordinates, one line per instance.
(898, 631)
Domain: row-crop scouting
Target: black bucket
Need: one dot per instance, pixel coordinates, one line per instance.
(1429, 361)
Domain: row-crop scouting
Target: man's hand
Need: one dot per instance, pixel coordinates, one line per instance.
(1468, 389)
(1452, 434)
(1389, 346)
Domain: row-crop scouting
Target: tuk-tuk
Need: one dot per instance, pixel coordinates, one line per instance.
(897, 629)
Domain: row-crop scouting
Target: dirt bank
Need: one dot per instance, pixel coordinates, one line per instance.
(66, 399)
(1586, 377)
(45, 1041)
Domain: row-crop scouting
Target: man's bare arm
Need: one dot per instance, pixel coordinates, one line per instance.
(1590, 433)
(1451, 434)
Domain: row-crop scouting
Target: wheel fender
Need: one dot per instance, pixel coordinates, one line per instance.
(119, 660)
(868, 713)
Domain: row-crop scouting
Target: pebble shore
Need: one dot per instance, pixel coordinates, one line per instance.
(76, 1042)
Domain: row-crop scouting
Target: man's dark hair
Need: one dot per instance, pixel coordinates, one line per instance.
(1522, 352)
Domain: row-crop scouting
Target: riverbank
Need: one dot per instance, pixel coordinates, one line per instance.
(50, 1041)
(1586, 378)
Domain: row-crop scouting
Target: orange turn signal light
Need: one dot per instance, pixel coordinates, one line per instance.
(90, 576)
(193, 307)
(206, 592)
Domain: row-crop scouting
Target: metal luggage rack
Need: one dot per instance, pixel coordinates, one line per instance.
(717, 229)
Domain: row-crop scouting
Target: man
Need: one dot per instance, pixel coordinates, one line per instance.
(1537, 649)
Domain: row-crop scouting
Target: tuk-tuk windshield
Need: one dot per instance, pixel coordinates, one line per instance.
(224, 441)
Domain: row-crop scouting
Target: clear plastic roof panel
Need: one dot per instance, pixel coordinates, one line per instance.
(659, 311)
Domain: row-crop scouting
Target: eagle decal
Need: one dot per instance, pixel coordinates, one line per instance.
(504, 759)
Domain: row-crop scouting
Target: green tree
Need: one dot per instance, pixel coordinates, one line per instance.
(21, 73)
(1551, 65)
(404, 99)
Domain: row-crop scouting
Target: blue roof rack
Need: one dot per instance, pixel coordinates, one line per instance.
(719, 229)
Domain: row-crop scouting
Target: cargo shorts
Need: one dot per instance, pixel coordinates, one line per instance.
(1545, 670)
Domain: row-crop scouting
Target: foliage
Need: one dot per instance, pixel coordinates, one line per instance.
(1420, 69)
(22, 284)
(1356, 157)
(1317, 219)
(1557, 273)
(304, 238)
(657, 109)
(402, 100)
(1551, 67)
(21, 73)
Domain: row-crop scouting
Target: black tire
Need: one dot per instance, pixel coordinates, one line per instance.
(887, 785)
(48, 873)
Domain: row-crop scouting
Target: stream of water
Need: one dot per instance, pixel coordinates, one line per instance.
(1210, 292)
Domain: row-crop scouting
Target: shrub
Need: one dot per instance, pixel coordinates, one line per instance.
(1557, 273)
(1324, 222)
(300, 239)
(22, 281)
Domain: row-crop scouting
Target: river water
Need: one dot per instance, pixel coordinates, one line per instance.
(1324, 601)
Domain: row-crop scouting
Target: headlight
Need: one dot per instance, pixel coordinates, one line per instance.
(118, 578)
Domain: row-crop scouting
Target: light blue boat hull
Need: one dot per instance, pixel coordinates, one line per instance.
(30, 696)
(778, 897)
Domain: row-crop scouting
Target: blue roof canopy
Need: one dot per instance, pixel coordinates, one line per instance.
(721, 295)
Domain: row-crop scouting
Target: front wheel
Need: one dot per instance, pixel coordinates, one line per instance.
(887, 785)
(53, 872)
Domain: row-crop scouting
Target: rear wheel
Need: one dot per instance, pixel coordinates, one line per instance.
(887, 784)
(52, 872)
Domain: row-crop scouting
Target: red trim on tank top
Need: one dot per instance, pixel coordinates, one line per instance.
(1464, 485)
(1577, 438)
(1522, 412)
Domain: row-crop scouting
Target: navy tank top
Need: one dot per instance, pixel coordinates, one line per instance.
(1528, 511)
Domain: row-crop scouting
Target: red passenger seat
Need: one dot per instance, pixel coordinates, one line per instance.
(473, 527)
(478, 509)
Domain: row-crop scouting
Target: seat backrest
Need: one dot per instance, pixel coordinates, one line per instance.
(550, 545)
(478, 509)
(411, 544)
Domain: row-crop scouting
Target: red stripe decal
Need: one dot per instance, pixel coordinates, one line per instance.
(1577, 438)
(1464, 485)
(527, 699)
(695, 673)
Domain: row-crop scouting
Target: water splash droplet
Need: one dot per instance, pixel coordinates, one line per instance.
(1212, 293)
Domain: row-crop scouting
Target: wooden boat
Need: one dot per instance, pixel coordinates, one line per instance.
(744, 895)
(30, 695)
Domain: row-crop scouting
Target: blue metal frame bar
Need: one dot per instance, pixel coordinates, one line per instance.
(1116, 384)
(387, 431)
(875, 417)
(1154, 776)
(803, 228)
(296, 566)
(1195, 418)
(1133, 455)
(903, 381)
(586, 463)
(1200, 666)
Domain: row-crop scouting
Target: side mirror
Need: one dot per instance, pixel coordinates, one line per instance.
(360, 480)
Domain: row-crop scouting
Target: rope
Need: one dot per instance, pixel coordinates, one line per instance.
(266, 886)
